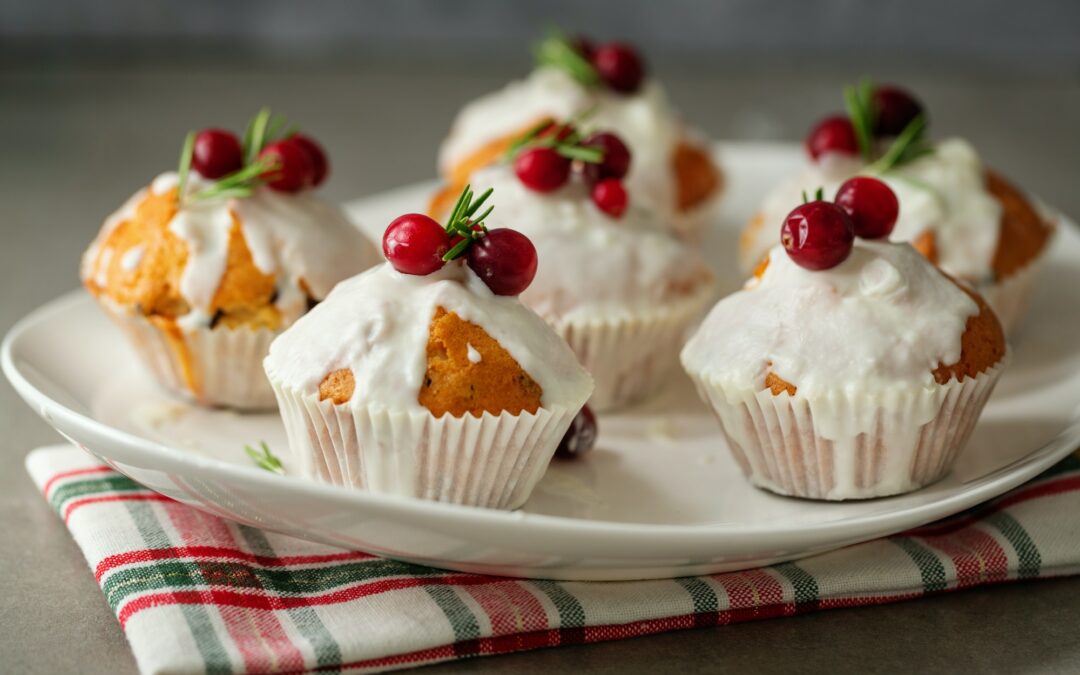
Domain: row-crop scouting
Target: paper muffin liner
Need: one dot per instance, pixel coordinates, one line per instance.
(492, 461)
(863, 444)
(1010, 297)
(215, 367)
(630, 357)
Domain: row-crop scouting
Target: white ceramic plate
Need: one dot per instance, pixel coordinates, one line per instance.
(659, 497)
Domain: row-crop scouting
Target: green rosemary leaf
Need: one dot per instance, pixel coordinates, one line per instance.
(458, 249)
(462, 203)
(255, 137)
(185, 164)
(480, 221)
(526, 138)
(908, 146)
(475, 206)
(820, 194)
(264, 459)
(805, 197)
(245, 181)
(589, 155)
(556, 51)
(859, 102)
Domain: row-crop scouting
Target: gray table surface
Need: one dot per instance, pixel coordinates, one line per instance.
(75, 141)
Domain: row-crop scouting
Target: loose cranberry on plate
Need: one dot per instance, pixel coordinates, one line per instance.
(580, 437)
(894, 109)
(293, 168)
(542, 169)
(619, 66)
(505, 260)
(320, 165)
(872, 205)
(609, 195)
(217, 153)
(818, 235)
(832, 134)
(415, 244)
(616, 161)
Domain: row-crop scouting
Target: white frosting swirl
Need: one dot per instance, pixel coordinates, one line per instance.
(944, 192)
(885, 317)
(377, 325)
(591, 265)
(645, 121)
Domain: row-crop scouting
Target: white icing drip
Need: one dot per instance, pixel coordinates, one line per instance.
(89, 265)
(204, 226)
(944, 192)
(646, 121)
(129, 262)
(474, 356)
(590, 264)
(101, 276)
(377, 324)
(883, 318)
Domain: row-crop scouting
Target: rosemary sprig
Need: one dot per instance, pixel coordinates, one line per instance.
(464, 223)
(564, 138)
(264, 459)
(185, 164)
(240, 183)
(263, 129)
(819, 195)
(909, 145)
(860, 106)
(556, 51)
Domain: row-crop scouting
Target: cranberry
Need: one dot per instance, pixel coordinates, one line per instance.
(583, 46)
(609, 195)
(818, 235)
(619, 66)
(505, 260)
(580, 437)
(293, 170)
(832, 134)
(872, 205)
(319, 163)
(894, 108)
(616, 161)
(415, 244)
(217, 153)
(542, 169)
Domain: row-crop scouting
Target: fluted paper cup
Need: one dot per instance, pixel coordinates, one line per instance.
(631, 357)
(492, 461)
(210, 366)
(1010, 297)
(851, 444)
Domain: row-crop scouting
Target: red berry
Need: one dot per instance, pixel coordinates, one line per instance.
(542, 169)
(293, 170)
(894, 108)
(616, 161)
(609, 195)
(580, 437)
(415, 244)
(619, 66)
(505, 260)
(818, 235)
(217, 153)
(832, 134)
(584, 46)
(872, 205)
(320, 165)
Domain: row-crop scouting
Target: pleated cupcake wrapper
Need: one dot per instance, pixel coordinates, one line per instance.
(492, 461)
(890, 448)
(631, 357)
(218, 367)
(1010, 297)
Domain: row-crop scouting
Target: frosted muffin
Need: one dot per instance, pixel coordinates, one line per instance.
(861, 375)
(427, 377)
(203, 267)
(606, 85)
(612, 278)
(961, 215)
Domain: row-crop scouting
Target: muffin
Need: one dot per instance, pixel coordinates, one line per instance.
(425, 376)
(605, 86)
(612, 280)
(206, 265)
(846, 374)
(963, 216)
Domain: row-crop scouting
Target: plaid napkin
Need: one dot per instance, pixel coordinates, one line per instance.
(196, 593)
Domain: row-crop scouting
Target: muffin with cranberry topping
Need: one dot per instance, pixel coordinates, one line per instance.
(963, 216)
(607, 85)
(202, 268)
(846, 368)
(426, 376)
(612, 278)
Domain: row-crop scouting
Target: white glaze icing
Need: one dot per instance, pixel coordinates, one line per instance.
(885, 317)
(377, 324)
(645, 121)
(944, 191)
(591, 265)
(293, 236)
(473, 355)
(129, 262)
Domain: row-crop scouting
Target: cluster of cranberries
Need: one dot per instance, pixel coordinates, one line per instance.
(298, 161)
(617, 64)
(543, 165)
(893, 109)
(819, 235)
